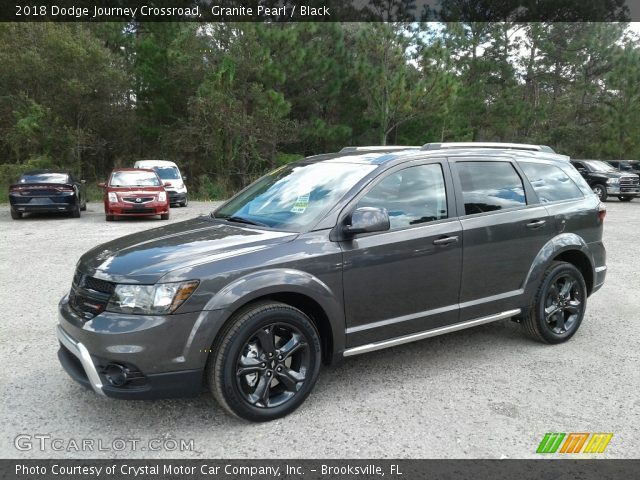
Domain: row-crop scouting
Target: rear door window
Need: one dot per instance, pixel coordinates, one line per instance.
(490, 186)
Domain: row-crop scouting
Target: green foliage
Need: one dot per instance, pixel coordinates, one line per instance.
(228, 101)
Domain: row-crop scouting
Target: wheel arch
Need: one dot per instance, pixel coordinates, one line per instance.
(566, 247)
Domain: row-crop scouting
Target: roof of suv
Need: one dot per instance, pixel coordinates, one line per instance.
(396, 154)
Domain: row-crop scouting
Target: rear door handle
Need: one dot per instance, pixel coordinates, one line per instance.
(445, 240)
(536, 224)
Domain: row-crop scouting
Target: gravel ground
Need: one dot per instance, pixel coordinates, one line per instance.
(487, 392)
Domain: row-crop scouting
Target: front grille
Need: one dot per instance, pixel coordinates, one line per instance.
(629, 181)
(138, 210)
(99, 285)
(134, 199)
(89, 296)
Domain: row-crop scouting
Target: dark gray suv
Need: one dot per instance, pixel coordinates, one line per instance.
(333, 256)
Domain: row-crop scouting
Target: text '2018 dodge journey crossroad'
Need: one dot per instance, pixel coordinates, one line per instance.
(332, 256)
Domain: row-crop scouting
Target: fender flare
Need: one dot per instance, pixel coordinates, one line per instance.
(560, 243)
(262, 283)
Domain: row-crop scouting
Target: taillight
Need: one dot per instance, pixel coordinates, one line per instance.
(602, 211)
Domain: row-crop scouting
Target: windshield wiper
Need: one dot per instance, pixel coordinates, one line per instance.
(238, 219)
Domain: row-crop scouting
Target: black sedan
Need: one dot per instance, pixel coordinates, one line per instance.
(41, 191)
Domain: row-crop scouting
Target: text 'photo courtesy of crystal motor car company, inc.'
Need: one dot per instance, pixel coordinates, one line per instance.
(330, 257)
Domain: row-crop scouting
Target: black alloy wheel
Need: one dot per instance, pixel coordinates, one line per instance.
(272, 366)
(564, 304)
(601, 191)
(559, 305)
(265, 362)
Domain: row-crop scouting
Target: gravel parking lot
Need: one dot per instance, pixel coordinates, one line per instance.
(488, 392)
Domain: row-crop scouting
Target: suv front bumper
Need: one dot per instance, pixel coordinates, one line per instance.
(632, 191)
(163, 356)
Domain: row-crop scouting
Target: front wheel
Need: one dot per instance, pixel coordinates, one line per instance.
(559, 305)
(601, 191)
(185, 202)
(16, 215)
(624, 198)
(265, 362)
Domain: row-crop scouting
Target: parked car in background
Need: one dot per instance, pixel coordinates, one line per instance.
(170, 174)
(45, 191)
(134, 192)
(605, 180)
(332, 256)
(626, 166)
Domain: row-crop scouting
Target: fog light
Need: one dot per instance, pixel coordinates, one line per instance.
(116, 374)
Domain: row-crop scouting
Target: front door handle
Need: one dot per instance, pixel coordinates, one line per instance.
(445, 240)
(536, 224)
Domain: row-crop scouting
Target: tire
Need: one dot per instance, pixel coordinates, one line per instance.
(109, 218)
(185, 202)
(600, 190)
(164, 216)
(542, 325)
(259, 334)
(16, 215)
(84, 206)
(624, 198)
(75, 213)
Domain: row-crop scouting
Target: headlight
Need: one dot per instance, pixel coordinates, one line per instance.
(113, 198)
(613, 181)
(150, 299)
(162, 197)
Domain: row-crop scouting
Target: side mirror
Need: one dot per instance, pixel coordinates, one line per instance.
(367, 220)
(184, 179)
(102, 184)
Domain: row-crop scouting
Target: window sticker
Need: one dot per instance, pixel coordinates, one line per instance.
(301, 204)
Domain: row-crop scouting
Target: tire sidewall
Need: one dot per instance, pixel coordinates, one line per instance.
(552, 276)
(228, 357)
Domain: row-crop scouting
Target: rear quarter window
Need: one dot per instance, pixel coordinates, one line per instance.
(551, 183)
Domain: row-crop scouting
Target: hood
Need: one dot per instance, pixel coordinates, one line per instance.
(135, 190)
(145, 257)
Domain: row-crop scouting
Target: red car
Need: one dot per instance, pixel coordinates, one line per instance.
(134, 192)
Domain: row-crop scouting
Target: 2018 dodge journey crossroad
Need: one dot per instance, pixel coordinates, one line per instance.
(333, 256)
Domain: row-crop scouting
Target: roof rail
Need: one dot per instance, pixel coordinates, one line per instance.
(378, 148)
(511, 146)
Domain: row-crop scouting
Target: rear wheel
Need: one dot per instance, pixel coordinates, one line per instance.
(75, 212)
(624, 198)
(164, 216)
(265, 362)
(600, 190)
(16, 215)
(559, 306)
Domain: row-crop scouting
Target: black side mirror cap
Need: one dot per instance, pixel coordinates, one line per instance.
(368, 220)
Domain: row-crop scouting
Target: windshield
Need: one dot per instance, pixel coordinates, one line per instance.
(294, 197)
(600, 166)
(167, 173)
(134, 179)
(44, 178)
